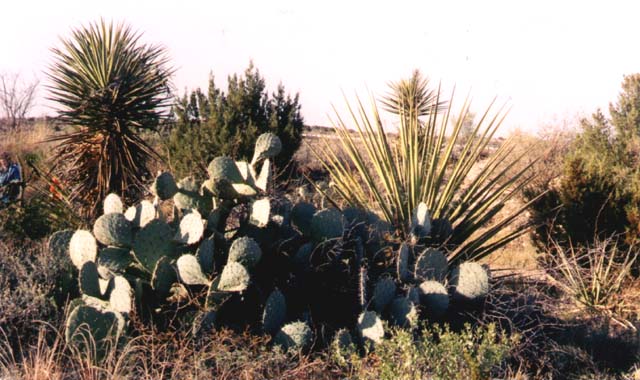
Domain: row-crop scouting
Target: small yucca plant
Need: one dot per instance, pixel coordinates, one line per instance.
(427, 163)
(108, 87)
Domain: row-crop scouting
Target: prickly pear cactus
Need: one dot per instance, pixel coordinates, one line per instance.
(234, 278)
(470, 282)
(434, 298)
(383, 294)
(82, 248)
(112, 204)
(245, 251)
(275, 312)
(113, 229)
(87, 324)
(294, 336)
(327, 224)
(164, 186)
(431, 265)
(370, 327)
(267, 145)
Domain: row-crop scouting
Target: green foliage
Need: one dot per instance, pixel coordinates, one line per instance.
(438, 353)
(229, 123)
(37, 217)
(597, 195)
(108, 87)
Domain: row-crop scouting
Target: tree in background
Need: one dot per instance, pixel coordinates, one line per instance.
(16, 98)
(599, 191)
(216, 123)
(109, 88)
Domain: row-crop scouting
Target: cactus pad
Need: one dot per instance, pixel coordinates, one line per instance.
(421, 221)
(275, 312)
(59, 243)
(383, 293)
(205, 254)
(470, 282)
(164, 276)
(431, 265)
(188, 197)
(402, 262)
(245, 251)
(403, 312)
(247, 172)
(141, 214)
(264, 178)
(88, 280)
(164, 186)
(82, 248)
(115, 259)
(113, 229)
(87, 323)
(302, 258)
(190, 272)
(370, 327)
(267, 145)
(121, 294)
(433, 298)
(112, 203)
(294, 336)
(301, 215)
(260, 212)
(327, 224)
(191, 228)
(224, 168)
(152, 242)
(234, 278)
(342, 339)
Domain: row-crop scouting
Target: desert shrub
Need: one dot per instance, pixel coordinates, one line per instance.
(29, 284)
(437, 353)
(597, 194)
(228, 123)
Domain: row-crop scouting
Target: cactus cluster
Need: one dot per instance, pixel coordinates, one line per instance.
(254, 259)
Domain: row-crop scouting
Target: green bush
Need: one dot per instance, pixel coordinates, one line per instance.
(598, 193)
(218, 123)
(438, 353)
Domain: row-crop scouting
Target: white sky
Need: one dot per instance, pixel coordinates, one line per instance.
(552, 60)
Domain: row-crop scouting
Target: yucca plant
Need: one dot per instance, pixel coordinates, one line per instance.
(594, 275)
(426, 163)
(109, 87)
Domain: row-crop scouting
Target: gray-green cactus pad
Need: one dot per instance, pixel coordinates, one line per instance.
(164, 276)
(275, 312)
(246, 251)
(470, 282)
(190, 272)
(121, 295)
(152, 242)
(402, 262)
(421, 221)
(59, 243)
(141, 214)
(82, 248)
(191, 228)
(327, 224)
(433, 298)
(294, 336)
(224, 168)
(247, 172)
(260, 212)
(264, 177)
(370, 327)
(342, 340)
(113, 229)
(301, 216)
(205, 254)
(188, 197)
(88, 323)
(431, 265)
(404, 313)
(215, 296)
(234, 278)
(302, 258)
(164, 186)
(112, 203)
(267, 145)
(383, 294)
(115, 259)
(88, 280)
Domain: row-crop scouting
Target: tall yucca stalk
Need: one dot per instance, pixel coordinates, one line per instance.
(394, 174)
(109, 87)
